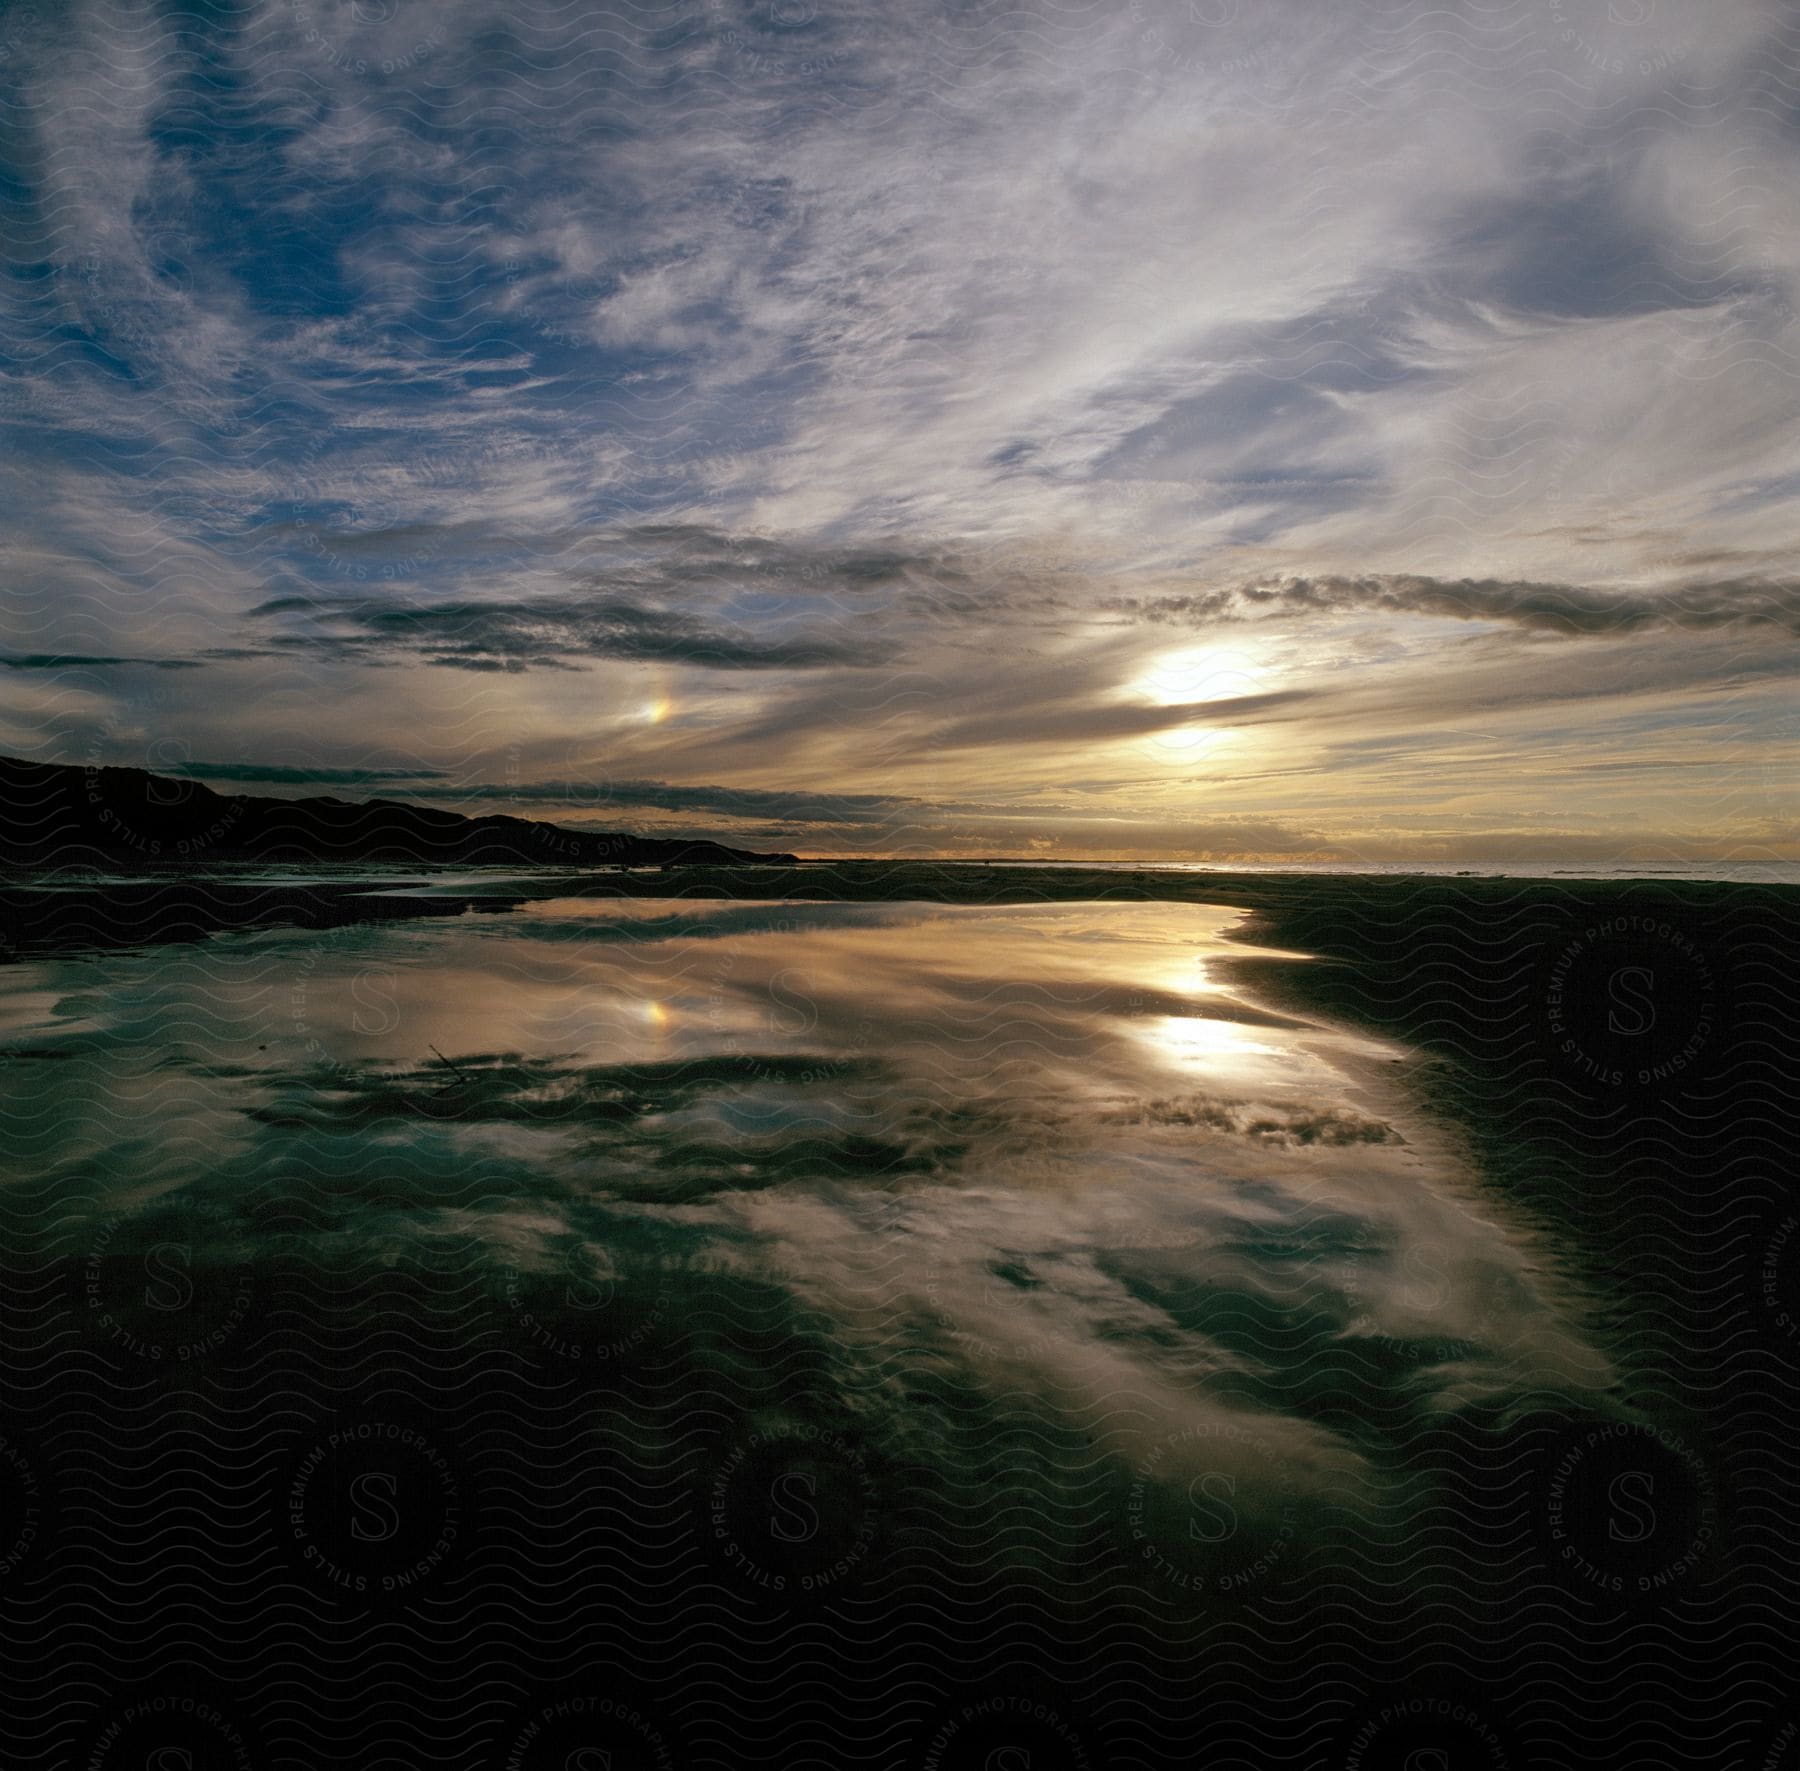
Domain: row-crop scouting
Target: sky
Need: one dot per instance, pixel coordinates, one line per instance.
(1211, 430)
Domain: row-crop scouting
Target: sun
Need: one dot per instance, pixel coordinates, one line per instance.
(1192, 675)
(1201, 673)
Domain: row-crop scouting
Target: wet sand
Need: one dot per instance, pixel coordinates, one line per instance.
(1246, 1319)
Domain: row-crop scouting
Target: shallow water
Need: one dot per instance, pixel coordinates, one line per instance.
(699, 1302)
(1048, 1150)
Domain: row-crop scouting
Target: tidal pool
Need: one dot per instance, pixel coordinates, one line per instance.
(1046, 1155)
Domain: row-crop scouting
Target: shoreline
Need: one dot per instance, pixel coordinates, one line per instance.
(1643, 1203)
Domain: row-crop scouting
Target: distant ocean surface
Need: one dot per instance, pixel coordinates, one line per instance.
(1725, 872)
(1743, 872)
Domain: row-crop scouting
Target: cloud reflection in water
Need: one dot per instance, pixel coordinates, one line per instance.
(1036, 1151)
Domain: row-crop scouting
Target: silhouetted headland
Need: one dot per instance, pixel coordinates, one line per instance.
(58, 815)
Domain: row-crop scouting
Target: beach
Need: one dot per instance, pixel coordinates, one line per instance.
(1171, 1308)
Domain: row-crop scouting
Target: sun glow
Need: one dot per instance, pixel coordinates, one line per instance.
(1202, 673)
(1193, 675)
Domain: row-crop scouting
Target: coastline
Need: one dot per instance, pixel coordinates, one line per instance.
(1643, 1196)
(1614, 1051)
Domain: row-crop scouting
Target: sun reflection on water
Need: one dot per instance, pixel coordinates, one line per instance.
(1199, 1040)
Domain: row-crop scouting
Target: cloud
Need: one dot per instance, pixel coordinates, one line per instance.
(1553, 608)
(884, 392)
(1074, 725)
(286, 776)
(796, 807)
(549, 634)
(77, 661)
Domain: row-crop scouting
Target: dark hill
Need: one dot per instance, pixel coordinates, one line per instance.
(55, 815)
